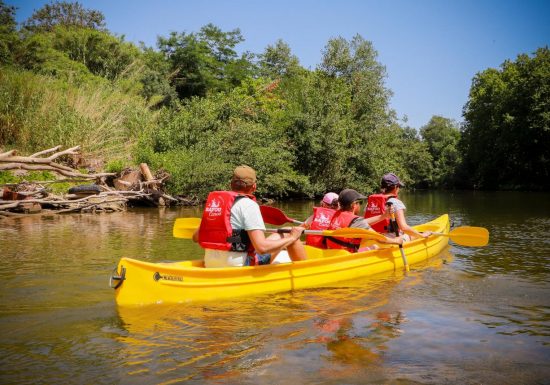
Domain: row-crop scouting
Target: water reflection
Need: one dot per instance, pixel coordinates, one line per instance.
(241, 339)
(468, 316)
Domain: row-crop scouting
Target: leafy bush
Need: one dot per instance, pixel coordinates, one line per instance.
(208, 137)
(116, 165)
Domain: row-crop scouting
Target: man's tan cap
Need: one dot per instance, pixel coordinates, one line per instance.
(245, 174)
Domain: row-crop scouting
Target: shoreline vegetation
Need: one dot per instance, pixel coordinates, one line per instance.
(194, 107)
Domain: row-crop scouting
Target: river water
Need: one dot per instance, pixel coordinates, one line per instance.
(468, 316)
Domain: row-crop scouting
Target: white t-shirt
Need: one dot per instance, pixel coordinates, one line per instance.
(397, 204)
(246, 215)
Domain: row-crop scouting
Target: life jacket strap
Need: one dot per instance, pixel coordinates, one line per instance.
(239, 240)
(349, 245)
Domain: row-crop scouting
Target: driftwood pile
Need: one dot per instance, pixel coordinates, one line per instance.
(109, 191)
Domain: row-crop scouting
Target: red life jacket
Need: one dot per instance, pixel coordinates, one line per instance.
(340, 220)
(376, 205)
(321, 221)
(215, 231)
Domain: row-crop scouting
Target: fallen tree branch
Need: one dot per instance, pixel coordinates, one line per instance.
(61, 180)
(56, 168)
(45, 151)
(9, 161)
(6, 154)
(34, 159)
(11, 205)
(130, 187)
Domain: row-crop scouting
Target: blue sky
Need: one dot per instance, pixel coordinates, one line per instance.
(431, 49)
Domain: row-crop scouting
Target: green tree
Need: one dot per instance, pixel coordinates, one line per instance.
(206, 61)
(69, 14)
(39, 55)
(375, 139)
(505, 137)
(201, 143)
(320, 127)
(156, 78)
(84, 54)
(417, 159)
(69, 51)
(442, 136)
(278, 61)
(7, 17)
(103, 54)
(9, 40)
(356, 62)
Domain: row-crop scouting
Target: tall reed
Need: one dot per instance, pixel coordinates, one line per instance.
(38, 112)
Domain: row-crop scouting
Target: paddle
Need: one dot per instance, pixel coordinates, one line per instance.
(346, 232)
(468, 236)
(465, 235)
(274, 216)
(186, 227)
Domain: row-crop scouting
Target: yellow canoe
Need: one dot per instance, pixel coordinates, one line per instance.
(141, 283)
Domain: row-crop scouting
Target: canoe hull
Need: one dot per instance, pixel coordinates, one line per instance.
(188, 281)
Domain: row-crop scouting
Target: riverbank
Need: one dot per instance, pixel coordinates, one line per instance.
(68, 189)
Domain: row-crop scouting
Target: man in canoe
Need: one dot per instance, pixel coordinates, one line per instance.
(350, 202)
(232, 228)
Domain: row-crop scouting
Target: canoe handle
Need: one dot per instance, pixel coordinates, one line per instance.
(118, 278)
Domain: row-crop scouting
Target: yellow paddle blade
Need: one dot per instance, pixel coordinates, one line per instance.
(185, 227)
(351, 232)
(470, 236)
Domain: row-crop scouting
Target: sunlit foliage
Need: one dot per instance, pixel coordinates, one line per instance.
(197, 106)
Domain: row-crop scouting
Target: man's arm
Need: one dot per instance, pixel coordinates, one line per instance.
(404, 226)
(263, 245)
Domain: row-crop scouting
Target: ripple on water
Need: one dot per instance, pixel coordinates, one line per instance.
(474, 315)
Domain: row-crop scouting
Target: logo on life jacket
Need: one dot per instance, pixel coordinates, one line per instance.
(214, 208)
(322, 220)
(373, 209)
(322, 216)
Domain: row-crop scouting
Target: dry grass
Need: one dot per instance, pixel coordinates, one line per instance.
(38, 112)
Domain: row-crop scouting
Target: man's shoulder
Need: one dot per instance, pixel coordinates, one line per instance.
(246, 201)
(246, 215)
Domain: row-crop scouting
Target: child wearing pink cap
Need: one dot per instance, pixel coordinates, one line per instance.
(330, 200)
